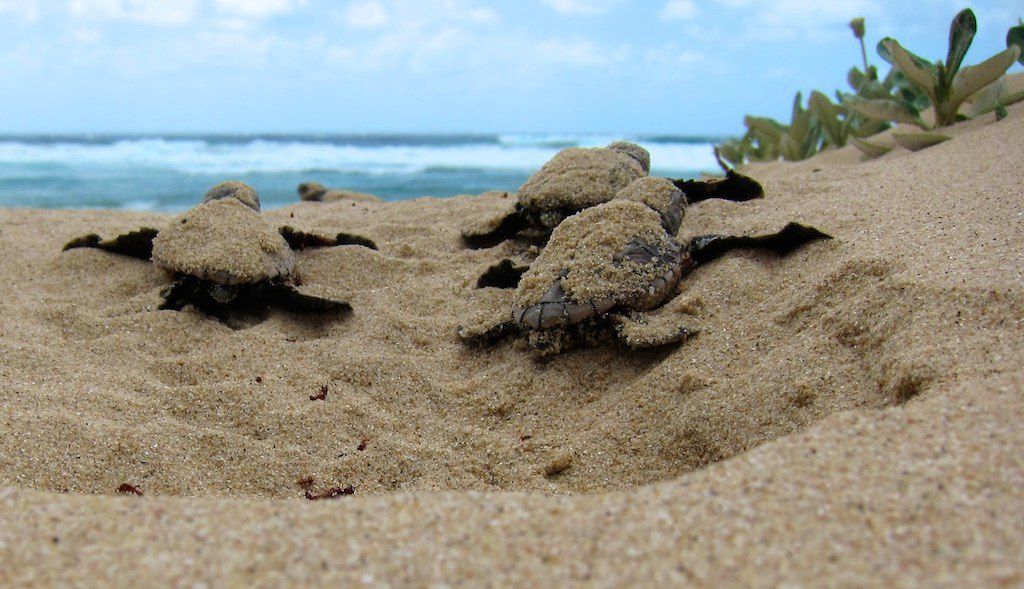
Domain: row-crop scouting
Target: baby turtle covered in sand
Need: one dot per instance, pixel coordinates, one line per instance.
(225, 257)
(139, 243)
(658, 194)
(316, 192)
(603, 268)
(577, 178)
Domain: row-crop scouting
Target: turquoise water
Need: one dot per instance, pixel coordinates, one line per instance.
(170, 172)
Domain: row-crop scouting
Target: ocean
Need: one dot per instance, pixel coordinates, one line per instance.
(171, 172)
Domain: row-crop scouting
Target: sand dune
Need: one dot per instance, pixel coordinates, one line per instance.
(848, 414)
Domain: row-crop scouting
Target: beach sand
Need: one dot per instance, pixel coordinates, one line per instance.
(848, 415)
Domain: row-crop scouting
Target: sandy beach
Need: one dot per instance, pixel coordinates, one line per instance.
(848, 415)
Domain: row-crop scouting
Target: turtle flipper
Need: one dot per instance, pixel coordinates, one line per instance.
(705, 248)
(292, 299)
(353, 239)
(300, 240)
(487, 336)
(506, 228)
(637, 331)
(136, 244)
(504, 274)
(178, 294)
(735, 186)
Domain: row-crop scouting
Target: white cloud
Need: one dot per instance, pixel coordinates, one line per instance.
(671, 56)
(482, 15)
(790, 18)
(585, 7)
(365, 14)
(257, 8)
(154, 12)
(577, 51)
(27, 10)
(678, 10)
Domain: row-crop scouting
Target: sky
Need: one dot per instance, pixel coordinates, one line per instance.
(425, 66)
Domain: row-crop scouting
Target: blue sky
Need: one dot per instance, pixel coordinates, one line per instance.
(650, 66)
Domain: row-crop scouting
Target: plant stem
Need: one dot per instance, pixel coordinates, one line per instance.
(864, 55)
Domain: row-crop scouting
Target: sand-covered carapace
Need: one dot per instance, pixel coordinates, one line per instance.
(605, 266)
(577, 178)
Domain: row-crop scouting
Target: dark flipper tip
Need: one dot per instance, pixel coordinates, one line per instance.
(792, 236)
(135, 244)
(91, 240)
(300, 240)
(734, 187)
(504, 274)
(507, 228)
(291, 299)
(705, 248)
(489, 336)
(352, 239)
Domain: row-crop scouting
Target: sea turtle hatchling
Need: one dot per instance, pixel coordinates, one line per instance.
(577, 178)
(139, 243)
(316, 192)
(224, 256)
(603, 268)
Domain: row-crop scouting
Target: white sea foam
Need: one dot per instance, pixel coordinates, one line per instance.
(189, 156)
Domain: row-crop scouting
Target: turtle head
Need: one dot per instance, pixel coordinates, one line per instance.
(661, 195)
(311, 191)
(234, 189)
(634, 151)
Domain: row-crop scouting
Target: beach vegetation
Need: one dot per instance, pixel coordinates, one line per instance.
(911, 87)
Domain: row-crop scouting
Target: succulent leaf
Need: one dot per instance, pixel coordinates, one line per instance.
(867, 127)
(872, 150)
(920, 73)
(874, 89)
(732, 151)
(961, 33)
(919, 141)
(789, 149)
(1015, 36)
(989, 98)
(855, 78)
(828, 116)
(765, 127)
(798, 108)
(973, 78)
(884, 110)
(883, 50)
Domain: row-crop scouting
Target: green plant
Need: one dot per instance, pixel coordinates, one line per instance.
(912, 85)
(945, 83)
(821, 124)
(1015, 36)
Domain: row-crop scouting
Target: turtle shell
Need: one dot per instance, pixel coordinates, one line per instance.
(234, 189)
(634, 151)
(613, 254)
(578, 177)
(224, 241)
(661, 195)
(311, 191)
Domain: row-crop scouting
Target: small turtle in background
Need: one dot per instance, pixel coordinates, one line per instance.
(603, 269)
(659, 194)
(577, 178)
(316, 192)
(574, 179)
(224, 257)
